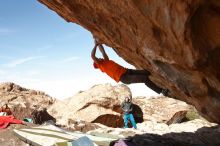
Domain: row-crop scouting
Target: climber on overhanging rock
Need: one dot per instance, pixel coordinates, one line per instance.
(119, 73)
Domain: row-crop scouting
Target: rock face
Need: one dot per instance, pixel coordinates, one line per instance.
(101, 104)
(23, 101)
(177, 41)
(161, 109)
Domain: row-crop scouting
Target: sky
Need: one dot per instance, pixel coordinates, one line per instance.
(40, 50)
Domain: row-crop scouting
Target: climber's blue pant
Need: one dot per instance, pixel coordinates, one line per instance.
(131, 118)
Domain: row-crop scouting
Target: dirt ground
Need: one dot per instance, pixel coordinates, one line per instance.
(8, 138)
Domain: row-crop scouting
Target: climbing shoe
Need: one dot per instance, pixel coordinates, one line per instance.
(165, 92)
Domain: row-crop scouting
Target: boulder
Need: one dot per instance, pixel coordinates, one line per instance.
(160, 109)
(178, 117)
(22, 101)
(100, 104)
(177, 41)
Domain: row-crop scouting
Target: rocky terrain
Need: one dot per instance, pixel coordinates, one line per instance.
(27, 103)
(161, 121)
(23, 101)
(177, 41)
(101, 104)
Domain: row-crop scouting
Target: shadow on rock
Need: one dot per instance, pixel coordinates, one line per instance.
(138, 113)
(40, 116)
(205, 136)
(116, 121)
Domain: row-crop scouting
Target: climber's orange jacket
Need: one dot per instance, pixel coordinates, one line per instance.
(112, 69)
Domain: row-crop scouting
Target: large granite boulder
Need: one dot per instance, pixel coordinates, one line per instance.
(178, 41)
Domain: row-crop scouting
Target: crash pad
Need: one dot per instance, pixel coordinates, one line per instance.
(48, 135)
(83, 141)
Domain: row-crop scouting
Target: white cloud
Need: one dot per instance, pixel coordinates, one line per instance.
(70, 59)
(141, 89)
(2, 72)
(17, 77)
(61, 88)
(14, 63)
(32, 73)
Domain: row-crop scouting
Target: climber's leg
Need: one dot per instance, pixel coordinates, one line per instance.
(156, 88)
(141, 76)
(138, 72)
(132, 76)
(153, 86)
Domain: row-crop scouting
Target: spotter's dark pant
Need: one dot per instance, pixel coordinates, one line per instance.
(139, 76)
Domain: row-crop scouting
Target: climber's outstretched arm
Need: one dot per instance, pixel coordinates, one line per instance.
(93, 53)
(101, 48)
